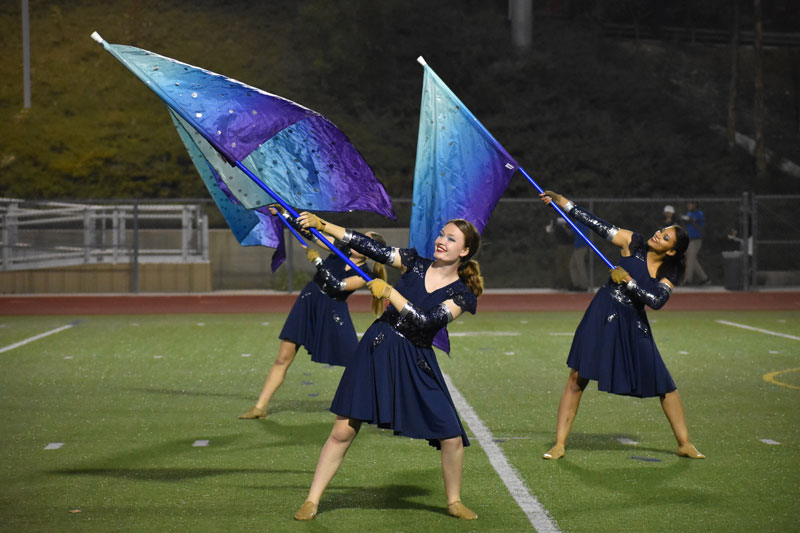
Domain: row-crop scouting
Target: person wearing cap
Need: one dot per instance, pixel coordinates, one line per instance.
(669, 216)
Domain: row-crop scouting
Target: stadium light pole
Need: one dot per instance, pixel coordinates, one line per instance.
(26, 55)
(521, 14)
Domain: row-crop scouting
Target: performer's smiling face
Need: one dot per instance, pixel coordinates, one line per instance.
(450, 244)
(663, 240)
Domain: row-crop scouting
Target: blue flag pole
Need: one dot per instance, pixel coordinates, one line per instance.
(570, 222)
(295, 214)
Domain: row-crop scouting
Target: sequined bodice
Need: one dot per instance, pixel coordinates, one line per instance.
(412, 285)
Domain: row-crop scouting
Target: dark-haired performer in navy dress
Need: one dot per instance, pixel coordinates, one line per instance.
(613, 344)
(319, 319)
(394, 380)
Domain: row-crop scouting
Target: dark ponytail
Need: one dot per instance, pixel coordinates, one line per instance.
(673, 266)
(470, 274)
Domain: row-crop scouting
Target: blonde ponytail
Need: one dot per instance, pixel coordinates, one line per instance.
(379, 304)
(378, 271)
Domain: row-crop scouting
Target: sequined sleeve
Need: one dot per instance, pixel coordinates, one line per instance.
(293, 223)
(328, 281)
(465, 298)
(654, 298)
(331, 274)
(369, 247)
(432, 319)
(595, 223)
(408, 257)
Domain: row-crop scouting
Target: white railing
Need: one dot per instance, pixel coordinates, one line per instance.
(56, 234)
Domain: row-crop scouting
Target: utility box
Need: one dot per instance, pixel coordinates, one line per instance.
(732, 271)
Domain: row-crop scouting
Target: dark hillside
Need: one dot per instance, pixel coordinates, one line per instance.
(583, 112)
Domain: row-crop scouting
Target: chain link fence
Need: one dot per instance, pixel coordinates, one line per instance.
(750, 241)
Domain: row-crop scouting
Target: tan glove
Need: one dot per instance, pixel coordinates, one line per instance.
(312, 255)
(379, 288)
(555, 196)
(619, 275)
(274, 209)
(310, 220)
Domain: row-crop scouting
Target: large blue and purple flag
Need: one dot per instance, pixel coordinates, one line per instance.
(299, 154)
(461, 170)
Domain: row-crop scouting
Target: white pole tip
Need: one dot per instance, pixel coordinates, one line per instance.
(421, 61)
(96, 37)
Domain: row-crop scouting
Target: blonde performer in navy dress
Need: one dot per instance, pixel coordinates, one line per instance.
(320, 319)
(394, 380)
(613, 344)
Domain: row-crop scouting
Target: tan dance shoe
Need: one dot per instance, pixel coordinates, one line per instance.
(307, 511)
(556, 452)
(690, 451)
(254, 412)
(459, 510)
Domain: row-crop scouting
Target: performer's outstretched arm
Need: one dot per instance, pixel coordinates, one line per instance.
(357, 241)
(617, 236)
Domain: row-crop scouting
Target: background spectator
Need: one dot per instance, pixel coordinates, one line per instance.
(563, 237)
(669, 217)
(577, 262)
(695, 227)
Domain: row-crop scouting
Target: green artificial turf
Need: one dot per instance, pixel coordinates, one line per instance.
(129, 395)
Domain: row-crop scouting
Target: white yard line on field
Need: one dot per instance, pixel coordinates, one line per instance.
(751, 328)
(483, 333)
(537, 515)
(34, 338)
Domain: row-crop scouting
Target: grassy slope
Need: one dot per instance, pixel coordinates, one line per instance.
(599, 118)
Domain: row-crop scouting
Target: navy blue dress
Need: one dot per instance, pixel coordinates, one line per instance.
(394, 380)
(320, 319)
(613, 344)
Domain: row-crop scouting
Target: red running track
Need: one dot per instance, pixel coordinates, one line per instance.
(268, 302)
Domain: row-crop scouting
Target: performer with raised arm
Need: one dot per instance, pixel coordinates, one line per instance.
(320, 319)
(394, 380)
(613, 344)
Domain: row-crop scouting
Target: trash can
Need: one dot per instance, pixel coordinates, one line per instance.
(732, 277)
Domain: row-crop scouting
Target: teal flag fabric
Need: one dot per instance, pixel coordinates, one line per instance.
(461, 170)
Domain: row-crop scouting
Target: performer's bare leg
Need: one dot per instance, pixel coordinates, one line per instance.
(330, 458)
(275, 377)
(673, 408)
(567, 409)
(452, 467)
